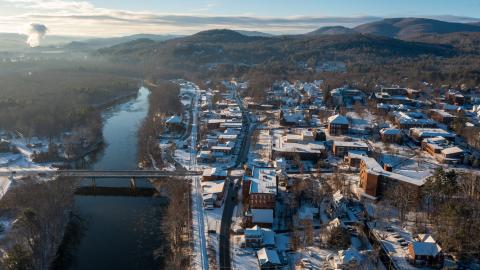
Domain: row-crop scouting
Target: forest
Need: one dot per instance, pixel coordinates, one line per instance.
(51, 99)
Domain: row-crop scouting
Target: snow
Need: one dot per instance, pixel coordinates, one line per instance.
(187, 158)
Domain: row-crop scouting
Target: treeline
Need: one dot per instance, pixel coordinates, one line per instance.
(47, 102)
(163, 100)
(176, 225)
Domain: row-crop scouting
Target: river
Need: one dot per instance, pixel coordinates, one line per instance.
(118, 232)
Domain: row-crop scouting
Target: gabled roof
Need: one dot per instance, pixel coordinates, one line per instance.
(425, 249)
(425, 238)
(338, 119)
(266, 256)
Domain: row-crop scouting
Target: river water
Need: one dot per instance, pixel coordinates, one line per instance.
(118, 232)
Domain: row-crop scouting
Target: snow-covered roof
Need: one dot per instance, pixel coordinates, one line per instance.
(375, 168)
(442, 113)
(268, 256)
(268, 237)
(338, 119)
(390, 131)
(264, 216)
(174, 119)
(425, 248)
(255, 231)
(431, 132)
(452, 150)
(214, 171)
(350, 144)
(264, 180)
(423, 237)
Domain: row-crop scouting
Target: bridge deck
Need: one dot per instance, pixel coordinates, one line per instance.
(124, 173)
(101, 173)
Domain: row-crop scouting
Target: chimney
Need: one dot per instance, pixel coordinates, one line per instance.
(387, 167)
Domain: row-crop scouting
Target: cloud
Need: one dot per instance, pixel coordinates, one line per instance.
(82, 18)
(36, 32)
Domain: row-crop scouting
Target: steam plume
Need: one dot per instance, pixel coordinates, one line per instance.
(36, 32)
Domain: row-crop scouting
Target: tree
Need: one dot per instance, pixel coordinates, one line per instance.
(404, 198)
(18, 258)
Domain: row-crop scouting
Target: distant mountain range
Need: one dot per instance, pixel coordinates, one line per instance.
(412, 29)
(408, 28)
(401, 28)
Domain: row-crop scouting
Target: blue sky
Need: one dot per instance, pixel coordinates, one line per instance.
(389, 8)
(124, 17)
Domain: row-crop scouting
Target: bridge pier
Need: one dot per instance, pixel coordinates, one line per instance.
(133, 183)
(94, 184)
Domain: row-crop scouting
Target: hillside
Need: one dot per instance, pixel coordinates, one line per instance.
(214, 47)
(331, 30)
(254, 33)
(407, 28)
(468, 42)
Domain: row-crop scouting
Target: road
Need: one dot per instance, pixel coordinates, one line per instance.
(198, 216)
(230, 201)
(224, 246)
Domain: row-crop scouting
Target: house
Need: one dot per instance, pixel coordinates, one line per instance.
(209, 200)
(212, 174)
(224, 149)
(425, 254)
(174, 123)
(442, 116)
(347, 259)
(205, 156)
(256, 237)
(341, 149)
(452, 155)
(261, 217)
(391, 135)
(434, 145)
(268, 259)
(455, 97)
(418, 134)
(214, 123)
(216, 189)
(338, 125)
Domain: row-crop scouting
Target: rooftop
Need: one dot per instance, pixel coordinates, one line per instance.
(350, 144)
(338, 119)
(264, 180)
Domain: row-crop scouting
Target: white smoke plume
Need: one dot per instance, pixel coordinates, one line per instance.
(36, 32)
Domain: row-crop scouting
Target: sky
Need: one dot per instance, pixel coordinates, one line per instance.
(102, 18)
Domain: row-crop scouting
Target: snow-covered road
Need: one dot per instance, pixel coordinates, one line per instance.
(198, 217)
